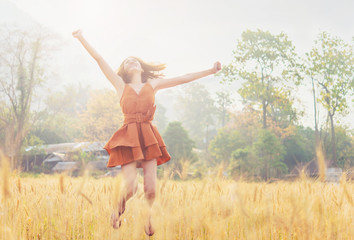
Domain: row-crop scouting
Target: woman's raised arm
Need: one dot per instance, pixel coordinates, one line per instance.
(161, 83)
(114, 78)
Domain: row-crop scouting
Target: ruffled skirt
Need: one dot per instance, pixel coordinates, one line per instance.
(136, 141)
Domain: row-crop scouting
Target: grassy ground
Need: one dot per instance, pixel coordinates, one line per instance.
(61, 207)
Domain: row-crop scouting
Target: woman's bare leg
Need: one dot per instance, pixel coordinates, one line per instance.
(150, 168)
(129, 174)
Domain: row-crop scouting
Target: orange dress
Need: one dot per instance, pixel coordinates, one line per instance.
(138, 139)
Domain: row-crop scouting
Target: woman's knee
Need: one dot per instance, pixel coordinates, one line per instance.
(149, 192)
(131, 188)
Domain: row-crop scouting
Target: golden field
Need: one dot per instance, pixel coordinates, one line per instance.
(62, 207)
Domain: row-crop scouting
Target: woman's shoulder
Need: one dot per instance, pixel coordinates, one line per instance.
(154, 82)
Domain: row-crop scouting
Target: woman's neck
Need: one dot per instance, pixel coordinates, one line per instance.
(136, 79)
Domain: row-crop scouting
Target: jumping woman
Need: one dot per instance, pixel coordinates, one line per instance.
(138, 144)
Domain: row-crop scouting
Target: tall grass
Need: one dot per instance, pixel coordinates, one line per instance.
(61, 207)
(321, 162)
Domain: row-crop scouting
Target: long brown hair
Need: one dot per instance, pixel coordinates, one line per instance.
(149, 70)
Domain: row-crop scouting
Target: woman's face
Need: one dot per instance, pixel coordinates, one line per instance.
(132, 65)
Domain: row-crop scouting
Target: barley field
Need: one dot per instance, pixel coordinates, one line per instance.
(62, 207)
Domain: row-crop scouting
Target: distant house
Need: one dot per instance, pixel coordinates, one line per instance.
(70, 167)
(57, 157)
(53, 158)
(100, 164)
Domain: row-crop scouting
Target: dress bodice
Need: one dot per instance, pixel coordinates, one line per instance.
(133, 102)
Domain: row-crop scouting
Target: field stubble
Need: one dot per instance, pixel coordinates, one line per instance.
(61, 207)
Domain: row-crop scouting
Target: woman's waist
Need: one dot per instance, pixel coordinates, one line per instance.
(140, 116)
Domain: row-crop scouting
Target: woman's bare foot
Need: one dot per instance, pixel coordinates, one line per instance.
(149, 230)
(116, 218)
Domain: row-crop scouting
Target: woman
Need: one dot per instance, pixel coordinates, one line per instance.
(138, 144)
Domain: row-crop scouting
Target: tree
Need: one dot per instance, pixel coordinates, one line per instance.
(268, 65)
(269, 149)
(344, 146)
(36, 148)
(160, 119)
(22, 59)
(223, 101)
(198, 112)
(223, 144)
(102, 116)
(247, 122)
(60, 119)
(179, 145)
(299, 147)
(242, 162)
(242, 141)
(330, 64)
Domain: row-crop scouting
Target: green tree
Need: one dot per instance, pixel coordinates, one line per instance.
(330, 64)
(198, 113)
(270, 149)
(282, 109)
(179, 145)
(60, 119)
(23, 55)
(102, 116)
(242, 162)
(223, 144)
(299, 147)
(268, 66)
(34, 147)
(344, 145)
(223, 101)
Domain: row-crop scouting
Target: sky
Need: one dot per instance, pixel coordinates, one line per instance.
(187, 35)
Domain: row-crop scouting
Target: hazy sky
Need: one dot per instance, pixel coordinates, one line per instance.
(187, 35)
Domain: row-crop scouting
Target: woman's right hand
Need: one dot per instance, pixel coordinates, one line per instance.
(77, 33)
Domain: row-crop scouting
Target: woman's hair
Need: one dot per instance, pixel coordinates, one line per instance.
(149, 70)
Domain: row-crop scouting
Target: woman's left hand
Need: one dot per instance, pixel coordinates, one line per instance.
(217, 67)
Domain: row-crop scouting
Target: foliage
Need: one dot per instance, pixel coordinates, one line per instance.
(267, 64)
(198, 113)
(330, 64)
(23, 56)
(245, 147)
(102, 116)
(223, 144)
(160, 120)
(177, 141)
(82, 156)
(269, 149)
(223, 101)
(35, 143)
(179, 146)
(59, 121)
(242, 162)
(344, 144)
(300, 147)
(246, 122)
